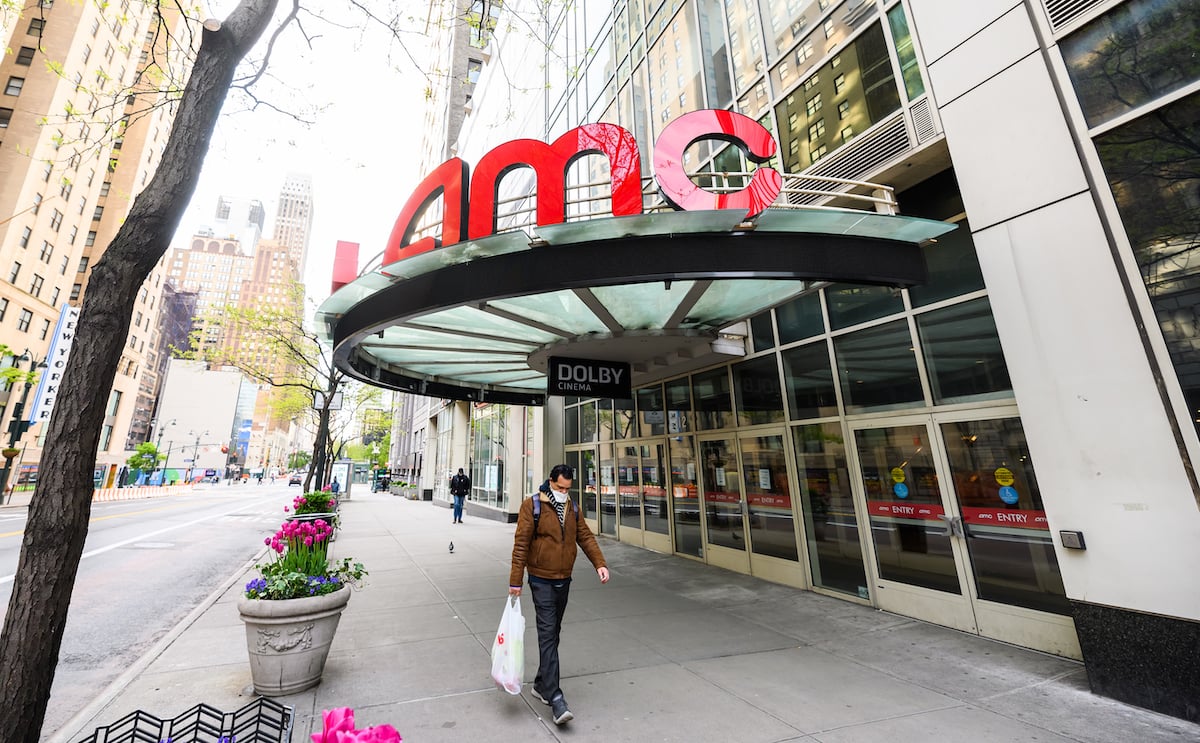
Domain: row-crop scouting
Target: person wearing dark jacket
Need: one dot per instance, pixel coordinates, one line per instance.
(460, 486)
(546, 550)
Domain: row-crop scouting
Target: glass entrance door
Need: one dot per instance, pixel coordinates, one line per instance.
(958, 534)
(774, 553)
(656, 518)
(723, 506)
(918, 565)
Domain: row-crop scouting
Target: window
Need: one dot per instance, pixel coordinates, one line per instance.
(35, 288)
(816, 131)
(24, 320)
(847, 133)
(56, 220)
(14, 86)
(47, 251)
(15, 272)
(37, 203)
(818, 153)
(36, 26)
(108, 52)
(54, 296)
(839, 82)
(812, 105)
(45, 329)
(74, 233)
(104, 188)
(25, 235)
(3, 308)
(474, 68)
(46, 171)
(843, 109)
(83, 265)
(76, 290)
(65, 191)
(106, 437)
(95, 26)
(62, 266)
(87, 54)
(25, 56)
(96, 215)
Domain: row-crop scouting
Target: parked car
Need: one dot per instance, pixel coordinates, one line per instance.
(295, 479)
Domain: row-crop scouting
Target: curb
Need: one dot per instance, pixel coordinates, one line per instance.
(72, 728)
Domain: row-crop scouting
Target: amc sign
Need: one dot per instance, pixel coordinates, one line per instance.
(470, 202)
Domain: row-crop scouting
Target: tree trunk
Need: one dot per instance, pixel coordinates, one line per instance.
(58, 514)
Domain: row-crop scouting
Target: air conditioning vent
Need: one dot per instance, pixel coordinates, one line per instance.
(1062, 12)
(865, 154)
(923, 121)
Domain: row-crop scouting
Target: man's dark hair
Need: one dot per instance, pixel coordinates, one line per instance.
(561, 470)
(460, 470)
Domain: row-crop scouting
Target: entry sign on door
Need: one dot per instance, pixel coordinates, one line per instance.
(589, 378)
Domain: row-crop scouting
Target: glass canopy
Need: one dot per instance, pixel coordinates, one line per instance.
(392, 326)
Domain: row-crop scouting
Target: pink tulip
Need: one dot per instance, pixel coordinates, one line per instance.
(308, 541)
(377, 734)
(286, 509)
(337, 721)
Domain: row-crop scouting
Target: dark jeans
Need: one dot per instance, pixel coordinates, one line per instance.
(458, 506)
(549, 605)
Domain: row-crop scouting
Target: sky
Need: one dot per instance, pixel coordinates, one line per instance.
(364, 99)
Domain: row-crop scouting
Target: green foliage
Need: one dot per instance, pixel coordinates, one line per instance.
(146, 459)
(299, 460)
(315, 502)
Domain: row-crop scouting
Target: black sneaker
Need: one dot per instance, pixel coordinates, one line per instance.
(562, 715)
(538, 695)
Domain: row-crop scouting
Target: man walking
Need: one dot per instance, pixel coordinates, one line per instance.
(548, 530)
(460, 485)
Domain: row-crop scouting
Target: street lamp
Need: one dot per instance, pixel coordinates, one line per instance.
(17, 426)
(158, 448)
(195, 452)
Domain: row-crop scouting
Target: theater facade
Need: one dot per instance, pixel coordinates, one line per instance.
(890, 301)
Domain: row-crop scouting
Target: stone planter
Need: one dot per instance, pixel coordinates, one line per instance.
(289, 640)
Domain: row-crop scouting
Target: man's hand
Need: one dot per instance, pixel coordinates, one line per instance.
(514, 590)
(603, 573)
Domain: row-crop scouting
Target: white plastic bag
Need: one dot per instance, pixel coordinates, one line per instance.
(508, 649)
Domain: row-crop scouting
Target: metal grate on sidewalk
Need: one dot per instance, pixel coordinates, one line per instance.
(261, 721)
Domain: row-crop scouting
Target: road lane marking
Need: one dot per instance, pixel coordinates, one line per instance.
(105, 518)
(101, 550)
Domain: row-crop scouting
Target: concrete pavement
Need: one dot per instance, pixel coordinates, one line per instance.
(669, 650)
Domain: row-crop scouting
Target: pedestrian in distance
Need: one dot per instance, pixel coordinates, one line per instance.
(549, 531)
(335, 487)
(460, 485)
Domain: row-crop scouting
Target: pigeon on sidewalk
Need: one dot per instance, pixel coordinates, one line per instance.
(452, 548)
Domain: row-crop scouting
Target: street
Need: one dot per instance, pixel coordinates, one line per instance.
(146, 565)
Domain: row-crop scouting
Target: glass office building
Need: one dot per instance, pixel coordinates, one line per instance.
(1007, 447)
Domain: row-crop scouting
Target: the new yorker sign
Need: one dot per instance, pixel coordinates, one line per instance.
(469, 201)
(589, 378)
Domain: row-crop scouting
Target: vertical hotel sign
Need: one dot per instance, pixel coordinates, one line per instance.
(56, 365)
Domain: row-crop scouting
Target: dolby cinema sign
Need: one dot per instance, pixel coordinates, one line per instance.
(469, 200)
(588, 378)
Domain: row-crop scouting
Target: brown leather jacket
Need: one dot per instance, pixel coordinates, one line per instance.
(552, 553)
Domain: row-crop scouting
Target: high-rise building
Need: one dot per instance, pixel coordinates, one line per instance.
(293, 218)
(1008, 446)
(80, 136)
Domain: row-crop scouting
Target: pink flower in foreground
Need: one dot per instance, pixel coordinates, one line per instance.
(337, 721)
(376, 734)
(308, 541)
(286, 509)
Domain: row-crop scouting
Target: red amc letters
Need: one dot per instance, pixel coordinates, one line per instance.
(470, 203)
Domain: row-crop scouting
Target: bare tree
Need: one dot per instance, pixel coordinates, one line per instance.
(58, 515)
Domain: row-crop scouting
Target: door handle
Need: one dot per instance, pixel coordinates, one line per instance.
(954, 525)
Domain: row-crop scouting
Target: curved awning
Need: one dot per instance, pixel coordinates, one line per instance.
(477, 320)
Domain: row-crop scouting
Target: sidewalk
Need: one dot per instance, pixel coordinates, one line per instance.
(669, 650)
